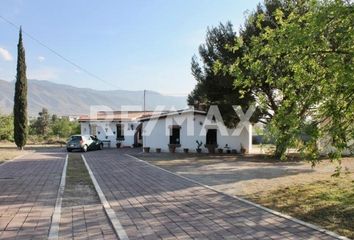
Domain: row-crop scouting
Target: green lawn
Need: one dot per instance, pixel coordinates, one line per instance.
(329, 204)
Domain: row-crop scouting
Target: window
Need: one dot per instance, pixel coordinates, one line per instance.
(211, 137)
(175, 135)
(120, 132)
(75, 138)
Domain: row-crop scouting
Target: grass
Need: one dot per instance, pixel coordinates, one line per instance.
(8, 154)
(329, 204)
(177, 158)
(79, 188)
(9, 150)
(76, 171)
(12, 146)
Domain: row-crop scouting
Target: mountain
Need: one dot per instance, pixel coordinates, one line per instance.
(68, 100)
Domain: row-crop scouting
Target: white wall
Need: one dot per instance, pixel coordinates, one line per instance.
(107, 131)
(325, 147)
(159, 136)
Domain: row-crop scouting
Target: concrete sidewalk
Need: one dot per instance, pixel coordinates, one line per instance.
(153, 204)
(28, 192)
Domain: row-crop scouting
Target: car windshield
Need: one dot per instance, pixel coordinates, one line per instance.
(75, 138)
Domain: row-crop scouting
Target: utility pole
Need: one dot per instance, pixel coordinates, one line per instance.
(142, 131)
(144, 101)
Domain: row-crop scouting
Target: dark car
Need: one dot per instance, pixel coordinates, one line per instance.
(83, 143)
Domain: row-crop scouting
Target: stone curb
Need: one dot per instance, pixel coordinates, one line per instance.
(117, 226)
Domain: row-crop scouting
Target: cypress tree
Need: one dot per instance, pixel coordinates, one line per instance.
(20, 101)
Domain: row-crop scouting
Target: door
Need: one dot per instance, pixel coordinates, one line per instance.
(211, 137)
(175, 135)
(120, 132)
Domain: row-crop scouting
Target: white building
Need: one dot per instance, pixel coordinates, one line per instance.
(114, 127)
(180, 129)
(184, 128)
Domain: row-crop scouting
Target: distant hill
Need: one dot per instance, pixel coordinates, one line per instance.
(68, 100)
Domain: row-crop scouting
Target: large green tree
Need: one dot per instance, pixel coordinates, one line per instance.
(20, 100)
(300, 68)
(257, 23)
(218, 61)
(256, 72)
(217, 88)
(319, 46)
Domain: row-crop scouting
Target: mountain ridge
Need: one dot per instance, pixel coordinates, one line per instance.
(64, 99)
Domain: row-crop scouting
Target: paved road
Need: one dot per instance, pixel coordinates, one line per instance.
(87, 221)
(28, 192)
(152, 204)
(82, 214)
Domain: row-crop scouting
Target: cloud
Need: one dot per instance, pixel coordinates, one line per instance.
(5, 54)
(40, 58)
(45, 73)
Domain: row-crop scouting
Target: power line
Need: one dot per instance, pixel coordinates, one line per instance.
(57, 53)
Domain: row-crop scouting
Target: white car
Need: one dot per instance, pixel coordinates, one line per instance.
(83, 143)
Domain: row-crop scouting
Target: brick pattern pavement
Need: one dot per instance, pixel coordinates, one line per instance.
(85, 222)
(28, 192)
(154, 204)
(82, 214)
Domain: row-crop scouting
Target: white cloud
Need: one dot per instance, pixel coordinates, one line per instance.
(45, 73)
(40, 58)
(5, 54)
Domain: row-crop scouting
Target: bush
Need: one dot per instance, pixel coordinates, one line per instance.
(6, 127)
(58, 130)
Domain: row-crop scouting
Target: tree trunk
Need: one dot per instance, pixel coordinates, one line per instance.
(280, 151)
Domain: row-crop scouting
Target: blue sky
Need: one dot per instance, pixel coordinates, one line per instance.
(132, 45)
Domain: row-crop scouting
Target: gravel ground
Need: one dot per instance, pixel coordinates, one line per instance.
(245, 175)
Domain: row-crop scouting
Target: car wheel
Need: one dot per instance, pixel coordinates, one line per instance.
(84, 148)
(69, 150)
(101, 146)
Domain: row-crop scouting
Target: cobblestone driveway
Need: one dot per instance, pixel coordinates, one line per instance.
(28, 192)
(151, 204)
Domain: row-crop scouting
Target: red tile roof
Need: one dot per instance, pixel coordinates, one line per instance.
(115, 116)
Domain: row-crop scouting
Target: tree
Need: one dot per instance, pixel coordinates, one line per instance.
(217, 88)
(6, 127)
(255, 71)
(62, 127)
(20, 100)
(42, 122)
(300, 68)
(319, 46)
(224, 57)
(54, 118)
(47, 125)
(257, 23)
